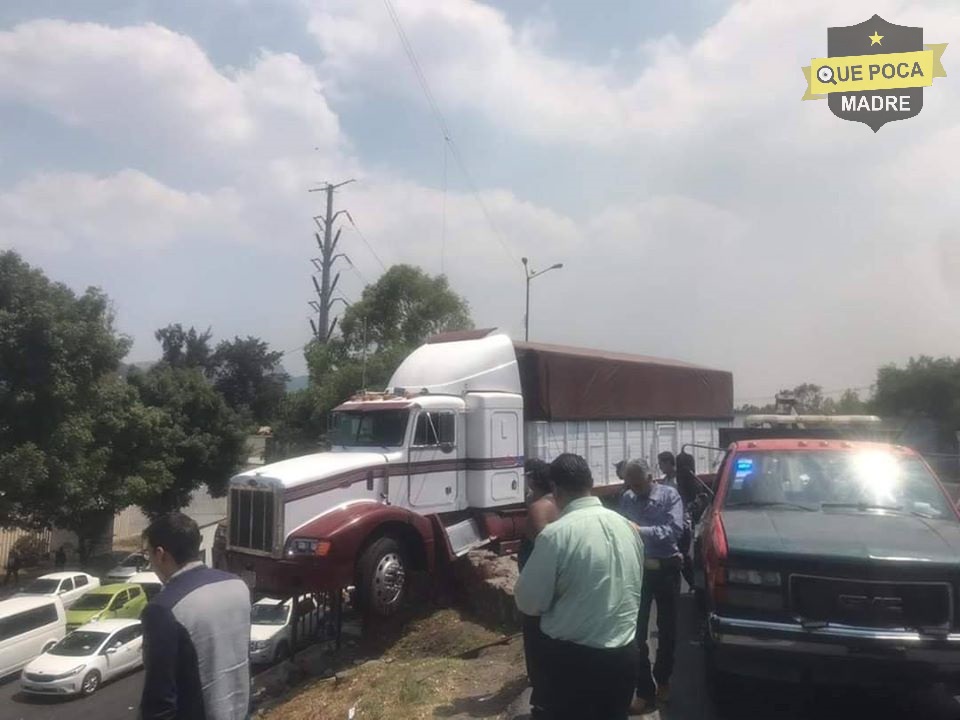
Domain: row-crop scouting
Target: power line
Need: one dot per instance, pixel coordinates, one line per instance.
(365, 241)
(443, 215)
(444, 128)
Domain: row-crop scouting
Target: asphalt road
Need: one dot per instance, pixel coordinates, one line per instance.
(117, 700)
(762, 700)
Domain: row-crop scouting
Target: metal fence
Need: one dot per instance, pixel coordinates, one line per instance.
(10, 536)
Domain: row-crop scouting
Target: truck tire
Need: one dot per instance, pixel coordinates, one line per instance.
(382, 577)
(282, 653)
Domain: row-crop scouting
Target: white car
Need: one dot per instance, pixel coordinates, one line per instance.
(68, 586)
(131, 565)
(271, 637)
(85, 659)
(29, 625)
(148, 581)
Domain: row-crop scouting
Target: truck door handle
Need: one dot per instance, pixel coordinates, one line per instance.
(513, 485)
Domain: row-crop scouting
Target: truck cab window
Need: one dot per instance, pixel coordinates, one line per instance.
(381, 428)
(434, 428)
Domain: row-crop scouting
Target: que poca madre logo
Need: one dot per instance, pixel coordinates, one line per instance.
(874, 72)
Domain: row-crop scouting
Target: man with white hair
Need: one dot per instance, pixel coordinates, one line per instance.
(657, 511)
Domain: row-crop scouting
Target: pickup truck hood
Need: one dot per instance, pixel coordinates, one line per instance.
(292, 473)
(842, 536)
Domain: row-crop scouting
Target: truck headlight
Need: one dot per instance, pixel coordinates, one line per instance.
(259, 644)
(761, 578)
(307, 546)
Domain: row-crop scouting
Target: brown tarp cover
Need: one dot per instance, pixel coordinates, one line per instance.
(566, 383)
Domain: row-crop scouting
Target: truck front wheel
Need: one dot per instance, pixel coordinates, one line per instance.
(382, 581)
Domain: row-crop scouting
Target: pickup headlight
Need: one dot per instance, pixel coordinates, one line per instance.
(259, 644)
(757, 578)
(307, 546)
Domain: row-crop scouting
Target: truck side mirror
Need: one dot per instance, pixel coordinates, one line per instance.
(446, 447)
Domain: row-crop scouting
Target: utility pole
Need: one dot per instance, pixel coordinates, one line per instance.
(323, 328)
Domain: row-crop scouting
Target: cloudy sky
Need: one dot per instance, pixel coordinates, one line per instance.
(163, 151)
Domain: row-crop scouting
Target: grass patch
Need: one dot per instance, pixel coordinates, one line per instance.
(418, 673)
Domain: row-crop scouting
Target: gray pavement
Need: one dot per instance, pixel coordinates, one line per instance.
(776, 701)
(760, 700)
(117, 700)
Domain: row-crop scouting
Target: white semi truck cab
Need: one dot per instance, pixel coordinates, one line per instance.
(432, 467)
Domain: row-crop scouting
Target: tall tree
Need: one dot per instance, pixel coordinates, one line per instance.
(926, 388)
(72, 433)
(203, 439)
(394, 315)
(185, 348)
(403, 308)
(250, 378)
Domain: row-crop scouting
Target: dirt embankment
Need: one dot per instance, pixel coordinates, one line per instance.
(442, 665)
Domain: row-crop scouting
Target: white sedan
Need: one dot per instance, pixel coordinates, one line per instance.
(85, 659)
(68, 586)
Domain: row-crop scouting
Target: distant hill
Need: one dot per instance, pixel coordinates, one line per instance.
(143, 365)
(300, 382)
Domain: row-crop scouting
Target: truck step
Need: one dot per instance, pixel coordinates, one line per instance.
(465, 536)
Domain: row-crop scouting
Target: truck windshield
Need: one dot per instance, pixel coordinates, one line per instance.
(376, 428)
(834, 480)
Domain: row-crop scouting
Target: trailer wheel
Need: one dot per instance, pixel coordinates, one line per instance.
(382, 577)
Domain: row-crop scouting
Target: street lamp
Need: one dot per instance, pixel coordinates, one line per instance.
(530, 276)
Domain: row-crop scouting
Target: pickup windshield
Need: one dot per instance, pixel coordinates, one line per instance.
(375, 428)
(836, 481)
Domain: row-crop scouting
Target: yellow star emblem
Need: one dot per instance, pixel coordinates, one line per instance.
(875, 39)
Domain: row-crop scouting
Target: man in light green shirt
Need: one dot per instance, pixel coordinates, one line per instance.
(584, 579)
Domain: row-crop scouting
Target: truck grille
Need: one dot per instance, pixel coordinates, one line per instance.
(871, 604)
(252, 519)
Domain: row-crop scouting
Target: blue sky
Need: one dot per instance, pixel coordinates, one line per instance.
(162, 150)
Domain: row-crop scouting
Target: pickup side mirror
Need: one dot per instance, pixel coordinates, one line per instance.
(446, 447)
(110, 651)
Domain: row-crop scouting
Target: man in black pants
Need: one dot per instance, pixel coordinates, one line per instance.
(541, 511)
(584, 581)
(657, 511)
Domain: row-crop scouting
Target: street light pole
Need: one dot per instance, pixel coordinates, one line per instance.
(530, 276)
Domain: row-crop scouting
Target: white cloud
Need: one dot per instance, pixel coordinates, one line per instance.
(742, 72)
(149, 89)
(772, 239)
(127, 211)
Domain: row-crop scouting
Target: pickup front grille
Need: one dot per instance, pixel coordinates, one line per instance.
(872, 604)
(252, 519)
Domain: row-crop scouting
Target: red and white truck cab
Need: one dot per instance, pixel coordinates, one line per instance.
(433, 467)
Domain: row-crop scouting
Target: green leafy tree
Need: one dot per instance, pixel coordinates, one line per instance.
(74, 439)
(202, 441)
(927, 388)
(393, 317)
(402, 309)
(186, 348)
(250, 378)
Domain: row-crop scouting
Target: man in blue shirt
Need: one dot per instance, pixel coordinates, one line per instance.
(657, 511)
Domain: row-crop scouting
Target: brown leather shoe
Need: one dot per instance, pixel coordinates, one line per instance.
(663, 693)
